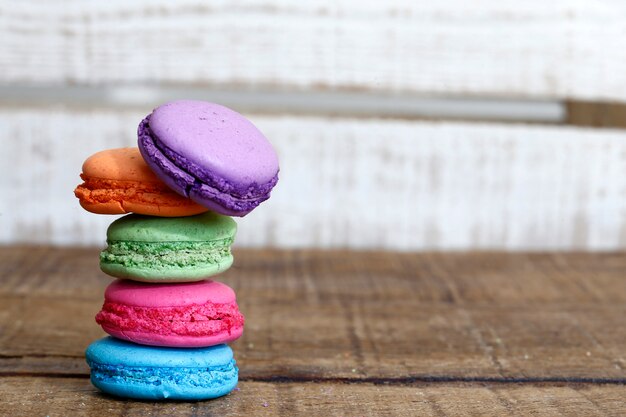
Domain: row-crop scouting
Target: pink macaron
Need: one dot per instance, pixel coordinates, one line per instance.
(193, 314)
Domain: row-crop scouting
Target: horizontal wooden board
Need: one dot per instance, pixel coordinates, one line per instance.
(356, 183)
(341, 333)
(355, 317)
(502, 48)
(52, 397)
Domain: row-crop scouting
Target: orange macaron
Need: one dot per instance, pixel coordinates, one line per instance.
(118, 181)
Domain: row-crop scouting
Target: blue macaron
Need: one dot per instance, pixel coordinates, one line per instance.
(153, 373)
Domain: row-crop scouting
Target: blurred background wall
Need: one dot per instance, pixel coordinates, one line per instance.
(403, 125)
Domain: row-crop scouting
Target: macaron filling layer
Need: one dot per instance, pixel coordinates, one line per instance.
(195, 320)
(181, 377)
(195, 181)
(156, 255)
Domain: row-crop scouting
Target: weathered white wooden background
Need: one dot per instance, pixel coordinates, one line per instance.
(342, 88)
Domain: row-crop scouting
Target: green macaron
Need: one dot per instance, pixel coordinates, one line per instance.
(168, 249)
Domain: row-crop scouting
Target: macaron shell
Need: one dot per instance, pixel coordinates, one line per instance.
(165, 391)
(108, 207)
(162, 274)
(179, 341)
(198, 228)
(118, 181)
(163, 295)
(164, 207)
(232, 147)
(122, 164)
(109, 350)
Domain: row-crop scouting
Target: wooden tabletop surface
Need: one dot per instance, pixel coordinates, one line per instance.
(339, 333)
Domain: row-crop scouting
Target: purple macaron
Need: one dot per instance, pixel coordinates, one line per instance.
(210, 154)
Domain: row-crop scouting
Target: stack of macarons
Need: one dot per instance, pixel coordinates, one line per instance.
(197, 164)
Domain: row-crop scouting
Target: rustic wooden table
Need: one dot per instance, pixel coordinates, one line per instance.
(348, 334)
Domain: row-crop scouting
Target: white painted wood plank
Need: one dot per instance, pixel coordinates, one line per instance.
(390, 184)
(557, 49)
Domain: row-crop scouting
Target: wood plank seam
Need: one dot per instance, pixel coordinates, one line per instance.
(333, 104)
(408, 380)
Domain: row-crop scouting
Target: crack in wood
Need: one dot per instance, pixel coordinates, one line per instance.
(40, 355)
(423, 379)
(408, 380)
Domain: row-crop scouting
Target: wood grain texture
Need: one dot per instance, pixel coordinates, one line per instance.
(392, 184)
(583, 113)
(501, 48)
(61, 397)
(345, 333)
(344, 316)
